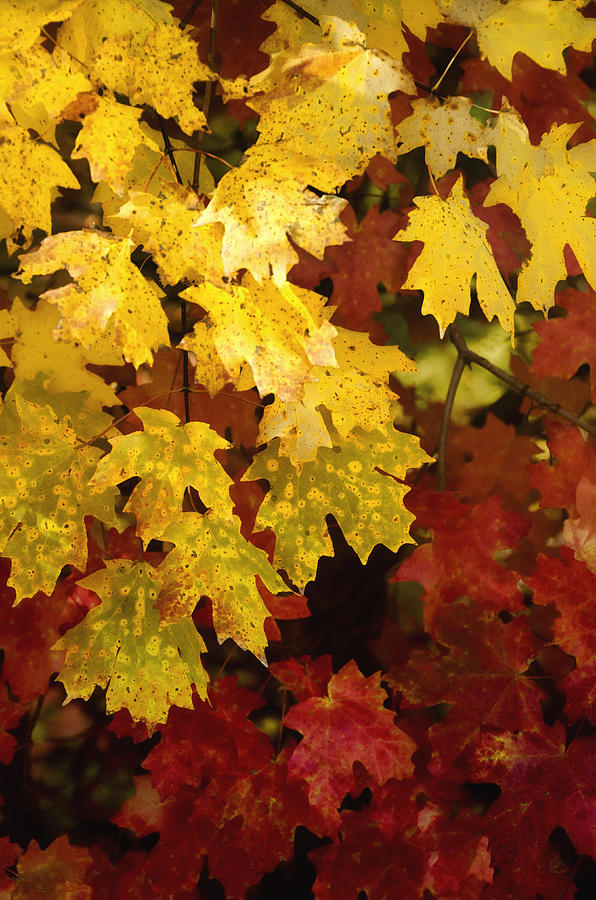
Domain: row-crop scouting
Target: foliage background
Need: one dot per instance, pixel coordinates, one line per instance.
(481, 629)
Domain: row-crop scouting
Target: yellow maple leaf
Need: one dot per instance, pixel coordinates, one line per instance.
(94, 22)
(149, 171)
(330, 101)
(44, 485)
(549, 187)
(41, 85)
(22, 20)
(109, 139)
(110, 297)
(444, 130)
(263, 202)
(212, 558)
(159, 68)
(168, 457)
(209, 369)
(380, 22)
(455, 249)
(344, 482)
(120, 646)
(8, 327)
(30, 172)
(539, 28)
(163, 224)
(355, 392)
(62, 364)
(280, 332)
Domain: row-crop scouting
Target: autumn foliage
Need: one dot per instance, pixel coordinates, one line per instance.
(298, 474)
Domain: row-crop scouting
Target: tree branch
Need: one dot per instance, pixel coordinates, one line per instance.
(456, 374)
(469, 356)
(196, 175)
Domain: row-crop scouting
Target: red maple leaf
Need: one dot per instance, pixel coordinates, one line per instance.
(572, 458)
(568, 342)
(482, 675)
(544, 784)
(350, 725)
(460, 561)
(196, 744)
(570, 586)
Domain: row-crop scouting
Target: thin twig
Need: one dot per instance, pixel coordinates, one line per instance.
(190, 13)
(169, 150)
(456, 374)
(183, 310)
(196, 175)
(302, 12)
(470, 357)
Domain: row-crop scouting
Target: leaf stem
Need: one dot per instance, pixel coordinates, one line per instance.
(452, 60)
(456, 374)
(468, 356)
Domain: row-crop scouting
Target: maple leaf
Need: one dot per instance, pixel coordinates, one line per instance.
(34, 623)
(343, 481)
(280, 331)
(168, 457)
(444, 130)
(355, 392)
(61, 364)
(538, 28)
(109, 296)
(569, 585)
(119, 646)
(158, 68)
(493, 455)
(579, 531)
(31, 172)
(109, 139)
(213, 738)
(350, 724)
(573, 457)
(382, 28)
(566, 343)
(359, 265)
(543, 97)
(163, 223)
(40, 86)
(549, 191)
(464, 539)
(212, 558)
(44, 480)
(543, 783)
(23, 20)
(231, 409)
(93, 22)
(265, 201)
(481, 677)
(455, 250)
(58, 871)
(235, 811)
(332, 95)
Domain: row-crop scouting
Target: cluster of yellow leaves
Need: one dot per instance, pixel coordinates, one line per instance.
(324, 113)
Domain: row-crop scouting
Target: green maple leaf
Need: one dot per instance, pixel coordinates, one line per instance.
(343, 481)
(44, 485)
(169, 457)
(211, 557)
(120, 646)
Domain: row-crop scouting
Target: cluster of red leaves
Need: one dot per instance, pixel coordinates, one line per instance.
(433, 740)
